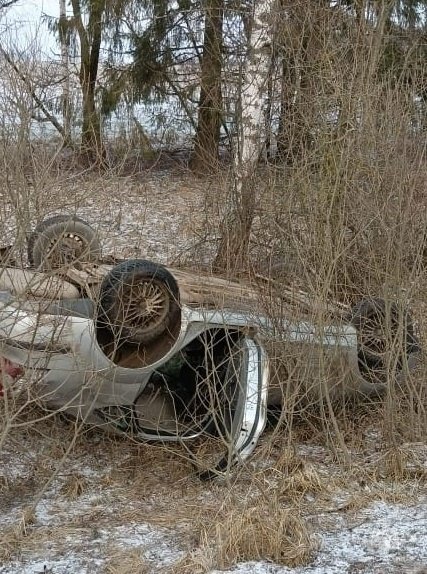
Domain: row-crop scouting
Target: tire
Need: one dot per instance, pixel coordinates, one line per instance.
(62, 240)
(139, 301)
(385, 338)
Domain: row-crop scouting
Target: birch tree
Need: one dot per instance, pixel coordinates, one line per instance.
(236, 227)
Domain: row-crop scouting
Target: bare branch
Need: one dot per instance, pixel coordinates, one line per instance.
(50, 117)
(7, 3)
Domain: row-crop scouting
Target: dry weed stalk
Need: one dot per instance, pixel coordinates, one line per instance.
(74, 486)
(198, 561)
(402, 462)
(301, 482)
(11, 542)
(13, 536)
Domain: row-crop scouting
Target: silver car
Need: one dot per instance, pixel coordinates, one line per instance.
(163, 354)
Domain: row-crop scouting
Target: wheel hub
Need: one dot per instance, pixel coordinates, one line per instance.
(68, 249)
(145, 304)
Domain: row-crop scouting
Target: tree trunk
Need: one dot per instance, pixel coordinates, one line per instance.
(91, 143)
(92, 146)
(206, 143)
(287, 97)
(65, 65)
(293, 134)
(233, 249)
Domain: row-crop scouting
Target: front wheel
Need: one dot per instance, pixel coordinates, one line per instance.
(139, 301)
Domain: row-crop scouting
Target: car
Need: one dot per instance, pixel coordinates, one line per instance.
(164, 354)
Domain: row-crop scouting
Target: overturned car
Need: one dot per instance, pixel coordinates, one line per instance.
(164, 354)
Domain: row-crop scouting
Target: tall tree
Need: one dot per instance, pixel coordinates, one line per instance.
(65, 64)
(236, 227)
(90, 38)
(293, 32)
(206, 142)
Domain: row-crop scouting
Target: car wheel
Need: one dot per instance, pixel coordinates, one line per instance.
(62, 240)
(385, 338)
(139, 301)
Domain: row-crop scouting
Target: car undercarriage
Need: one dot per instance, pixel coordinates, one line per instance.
(171, 355)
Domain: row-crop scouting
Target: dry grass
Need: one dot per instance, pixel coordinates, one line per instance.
(302, 482)
(126, 562)
(258, 530)
(200, 561)
(13, 537)
(261, 531)
(263, 514)
(74, 486)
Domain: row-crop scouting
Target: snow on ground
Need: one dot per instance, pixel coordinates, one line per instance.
(385, 538)
(100, 516)
(110, 503)
(84, 534)
(157, 215)
(87, 553)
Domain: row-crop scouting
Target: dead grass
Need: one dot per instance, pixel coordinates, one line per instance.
(403, 462)
(11, 542)
(74, 486)
(13, 537)
(198, 561)
(302, 482)
(122, 561)
(263, 514)
(261, 531)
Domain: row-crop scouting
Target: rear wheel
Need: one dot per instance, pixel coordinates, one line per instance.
(139, 301)
(62, 240)
(385, 338)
